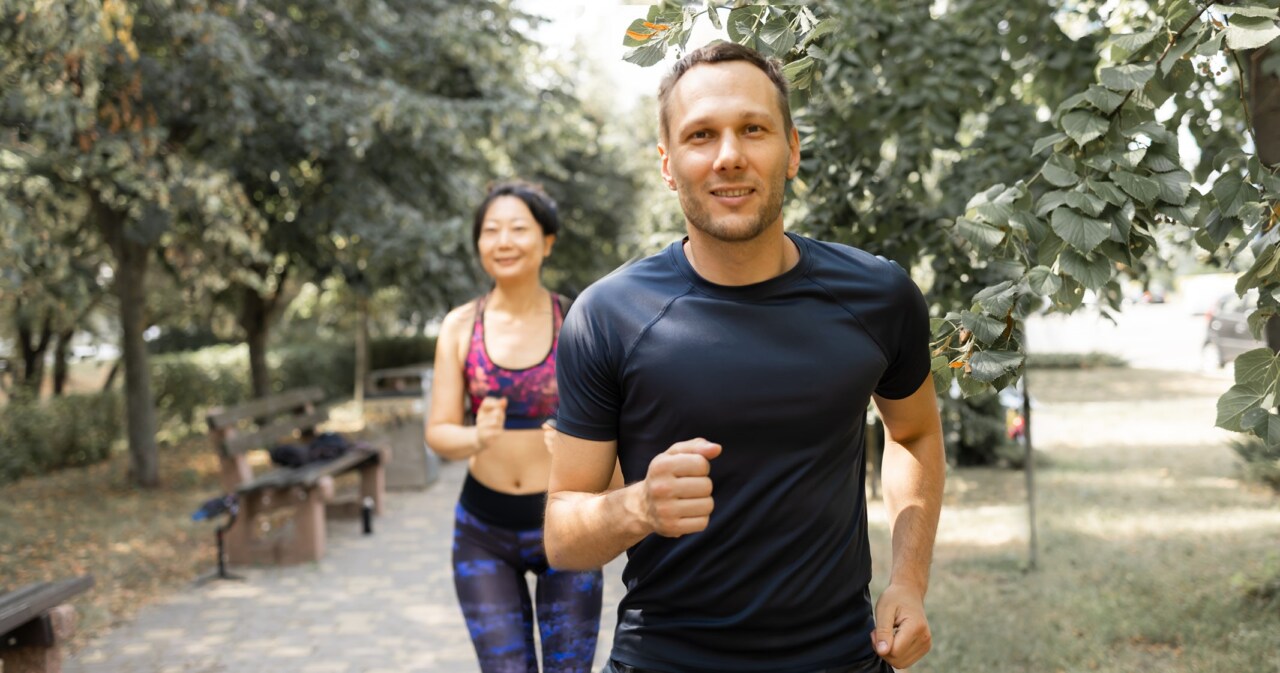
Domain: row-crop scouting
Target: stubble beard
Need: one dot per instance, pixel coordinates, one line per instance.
(699, 217)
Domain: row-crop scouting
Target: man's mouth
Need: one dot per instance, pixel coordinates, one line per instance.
(730, 193)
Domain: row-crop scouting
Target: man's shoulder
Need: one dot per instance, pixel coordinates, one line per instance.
(645, 277)
(839, 261)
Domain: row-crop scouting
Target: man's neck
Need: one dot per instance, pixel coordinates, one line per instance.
(766, 256)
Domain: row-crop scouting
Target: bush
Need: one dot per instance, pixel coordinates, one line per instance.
(37, 437)
(332, 364)
(1074, 360)
(1261, 460)
(187, 384)
(976, 434)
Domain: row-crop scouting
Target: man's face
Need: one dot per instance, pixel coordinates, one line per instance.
(726, 153)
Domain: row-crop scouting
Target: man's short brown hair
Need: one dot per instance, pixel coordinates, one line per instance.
(722, 52)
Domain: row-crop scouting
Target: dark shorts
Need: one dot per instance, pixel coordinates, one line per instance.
(873, 665)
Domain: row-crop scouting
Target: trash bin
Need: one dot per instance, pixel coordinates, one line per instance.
(395, 407)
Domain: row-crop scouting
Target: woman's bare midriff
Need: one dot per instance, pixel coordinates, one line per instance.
(517, 463)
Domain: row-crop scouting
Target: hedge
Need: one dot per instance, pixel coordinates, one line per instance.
(37, 437)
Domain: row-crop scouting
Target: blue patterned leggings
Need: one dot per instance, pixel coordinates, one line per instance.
(489, 566)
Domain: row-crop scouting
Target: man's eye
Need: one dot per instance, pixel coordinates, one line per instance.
(699, 135)
(755, 128)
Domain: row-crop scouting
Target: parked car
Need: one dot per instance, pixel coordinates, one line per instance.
(1227, 332)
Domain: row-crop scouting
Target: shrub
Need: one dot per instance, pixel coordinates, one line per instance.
(37, 437)
(1261, 460)
(1074, 360)
(187, 384)
(975, 432)
(332, 364)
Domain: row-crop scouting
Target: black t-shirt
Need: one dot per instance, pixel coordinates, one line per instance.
(780, 374)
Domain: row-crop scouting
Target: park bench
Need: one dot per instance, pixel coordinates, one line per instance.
(282, 511)
(34, 621)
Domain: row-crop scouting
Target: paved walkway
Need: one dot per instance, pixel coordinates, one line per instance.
(382, 603)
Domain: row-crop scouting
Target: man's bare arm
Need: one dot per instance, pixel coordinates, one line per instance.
(588, 525)
(914, 470)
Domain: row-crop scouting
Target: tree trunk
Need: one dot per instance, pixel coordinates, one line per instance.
(33, 349)
(130, 285)
(362, 350)
(1264, 107)
(60, 361)
(255, 321)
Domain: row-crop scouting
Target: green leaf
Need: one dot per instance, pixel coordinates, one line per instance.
(1186, 213)
(998, 299)
(1132, 42)
(1139, 187)
(1251, 32)
(1233, 192)
(1185, 44)
(714, 14)
(1259, 367)
(1084, 126)
(1093, 272)
(1153, 130)
(1175, 186)
(742, 25)
(1069, 296)
(1159, 161)
(1127, 77)
(1108, 191)
(824, 27)
(1047, 141)
(1060, 171)
(1086, 203)
(777, 33)
(1103, 98)
(799, 71)
(1043, 281)
(1050, 200)
(1247, 9)
(1083, 233)
(983, 236)
(985, 328)
(987, 366)
(647, 55)
(1235, 403)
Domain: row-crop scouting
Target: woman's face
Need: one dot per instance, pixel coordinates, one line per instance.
(511, 244)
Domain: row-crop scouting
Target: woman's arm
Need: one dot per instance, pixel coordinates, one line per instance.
(446, 435)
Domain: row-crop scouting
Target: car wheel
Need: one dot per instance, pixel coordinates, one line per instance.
(1211, 358)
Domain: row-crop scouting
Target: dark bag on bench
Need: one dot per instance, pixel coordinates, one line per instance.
(323, 447)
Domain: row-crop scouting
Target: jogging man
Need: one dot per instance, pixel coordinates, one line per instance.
(730, 375)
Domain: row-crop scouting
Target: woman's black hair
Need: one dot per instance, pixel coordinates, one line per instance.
(533, 196)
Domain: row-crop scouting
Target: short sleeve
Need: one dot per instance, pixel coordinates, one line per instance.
(586, 376)
(905, 338)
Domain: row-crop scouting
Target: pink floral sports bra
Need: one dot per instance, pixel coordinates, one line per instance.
(531, 393)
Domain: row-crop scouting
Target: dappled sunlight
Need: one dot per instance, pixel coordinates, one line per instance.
(981, 526)
(1112, 524)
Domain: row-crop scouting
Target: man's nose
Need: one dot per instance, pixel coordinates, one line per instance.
(730, 157)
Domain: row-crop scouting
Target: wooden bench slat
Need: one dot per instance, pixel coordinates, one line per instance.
(309, 474)
(21, 606)
(220, 418)
(271, 433)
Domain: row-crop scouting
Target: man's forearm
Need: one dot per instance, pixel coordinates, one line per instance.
(584, 531)
(914, 474)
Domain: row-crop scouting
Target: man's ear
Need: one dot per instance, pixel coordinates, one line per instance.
(793, 161)
(666, 169)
